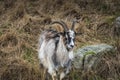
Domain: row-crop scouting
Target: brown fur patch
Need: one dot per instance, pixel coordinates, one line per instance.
(51, 34)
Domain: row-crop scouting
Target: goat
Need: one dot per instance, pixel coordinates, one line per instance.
(56, 50)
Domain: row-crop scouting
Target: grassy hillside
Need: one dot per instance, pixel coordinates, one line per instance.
(21, 22)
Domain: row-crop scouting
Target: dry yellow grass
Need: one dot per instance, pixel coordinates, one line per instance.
(21, 22)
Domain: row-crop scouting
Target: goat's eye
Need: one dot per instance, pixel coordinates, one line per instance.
(65, 38)
(67, 33)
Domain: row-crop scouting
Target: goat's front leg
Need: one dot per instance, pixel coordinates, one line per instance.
(54, 77)
(52, 73)
(51, 69)
(62, 75)
(66, 71)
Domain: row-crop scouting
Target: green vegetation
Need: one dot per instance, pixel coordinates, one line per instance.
(110, 19)
(89, 52)
(28, 55)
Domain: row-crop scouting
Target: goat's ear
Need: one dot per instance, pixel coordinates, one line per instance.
(78, 34)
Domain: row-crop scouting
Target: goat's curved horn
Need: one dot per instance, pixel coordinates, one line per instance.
(62, 24)
(73, 24)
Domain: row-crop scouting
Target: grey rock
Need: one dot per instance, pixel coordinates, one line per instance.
(118, 19)
(116, 27)
(87, 56)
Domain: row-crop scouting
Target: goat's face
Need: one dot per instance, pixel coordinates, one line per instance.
(70, 39)
(69, 34)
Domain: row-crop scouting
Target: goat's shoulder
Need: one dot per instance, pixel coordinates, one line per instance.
(50, 34)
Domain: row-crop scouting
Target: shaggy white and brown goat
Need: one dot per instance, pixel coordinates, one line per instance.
(56, 50)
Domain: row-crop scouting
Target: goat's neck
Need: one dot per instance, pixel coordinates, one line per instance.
(62, 48)
(61, 45)
(63, 55)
